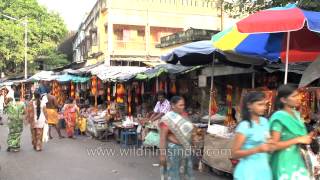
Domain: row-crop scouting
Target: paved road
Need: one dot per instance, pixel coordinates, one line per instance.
(67, 159)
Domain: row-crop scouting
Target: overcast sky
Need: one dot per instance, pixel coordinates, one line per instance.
(72, 11)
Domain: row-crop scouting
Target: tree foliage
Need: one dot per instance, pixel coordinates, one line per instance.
(45, 31)
(240, 8)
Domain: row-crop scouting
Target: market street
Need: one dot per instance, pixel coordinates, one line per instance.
(69, 159)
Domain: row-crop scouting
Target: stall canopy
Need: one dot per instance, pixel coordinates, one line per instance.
(116, 73)
(196, 53)
(164, 69)
(73, 78)
(311, 73)
(43, 76)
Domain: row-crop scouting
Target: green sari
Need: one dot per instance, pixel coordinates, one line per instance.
(288, 163)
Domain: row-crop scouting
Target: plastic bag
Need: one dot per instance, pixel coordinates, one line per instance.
(45, 136)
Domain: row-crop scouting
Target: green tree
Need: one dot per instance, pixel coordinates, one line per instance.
(240, 8)
(46, 30)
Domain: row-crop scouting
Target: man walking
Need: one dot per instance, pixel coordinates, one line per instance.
(52, 111)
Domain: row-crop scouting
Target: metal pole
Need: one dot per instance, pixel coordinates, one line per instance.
(211, 92)
(253, 79)
(26, 48)
(287, 59)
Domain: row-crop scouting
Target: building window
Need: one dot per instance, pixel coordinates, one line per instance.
(94, 39)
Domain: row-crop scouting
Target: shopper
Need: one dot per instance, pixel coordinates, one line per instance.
(288, 131)
(71, 111)
(15, 113)
(37, 118)
(251, 143)
(52, 110)
(175, 141)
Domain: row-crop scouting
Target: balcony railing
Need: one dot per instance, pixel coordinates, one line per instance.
(130, 46)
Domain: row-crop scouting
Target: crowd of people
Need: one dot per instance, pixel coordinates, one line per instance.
(38, 110)
(270, 149)
(266, 149)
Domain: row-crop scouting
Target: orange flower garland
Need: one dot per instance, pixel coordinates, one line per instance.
(94, 85)
(72, 90)
(108, 97)
(120, 93)
(229, 119)
(129, 102)
(173, 87)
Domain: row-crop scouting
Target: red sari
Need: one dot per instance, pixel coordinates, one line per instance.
(70, 116)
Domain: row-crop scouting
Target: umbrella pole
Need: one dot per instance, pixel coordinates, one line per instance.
(211, 92)
(287, 59)
(253, 79)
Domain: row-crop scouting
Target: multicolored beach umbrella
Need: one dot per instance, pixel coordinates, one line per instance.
(289, 34)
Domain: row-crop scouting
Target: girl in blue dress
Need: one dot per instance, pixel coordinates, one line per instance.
(251, 145)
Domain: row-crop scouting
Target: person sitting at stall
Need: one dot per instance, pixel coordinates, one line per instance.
(113, 114)
(162, 107)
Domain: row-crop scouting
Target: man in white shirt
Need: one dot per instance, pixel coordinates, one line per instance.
(162, 107)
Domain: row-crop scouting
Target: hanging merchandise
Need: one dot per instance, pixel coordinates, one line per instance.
(120, 93)
(173, 87)
(142, 88)
(114, 90)
(137, 93)
(77, 92)
(154, 88)
(72, 90)
(270, 98)
(305, 104)
(94, 85)
(162, 85)
(166, 86)
(129, 101)
(22, 93)
(108, 97)
(229, 121)
(214, 107)
(99, 84)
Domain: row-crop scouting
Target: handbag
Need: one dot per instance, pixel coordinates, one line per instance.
(310, 160)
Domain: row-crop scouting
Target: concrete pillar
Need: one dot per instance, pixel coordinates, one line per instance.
(110, 42)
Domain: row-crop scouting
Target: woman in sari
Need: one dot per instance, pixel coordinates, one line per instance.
(70, 110)
(175, 142)
(37, 117)
(288, 131)
(251, 145)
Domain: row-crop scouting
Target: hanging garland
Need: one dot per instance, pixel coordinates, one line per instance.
(72, 90)
(214, 107)
(94, 85)
(305, 104)
(22, 94)
(173, 87)
(108, 97)
(120, 93)
(129, 101)
(229, 121)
